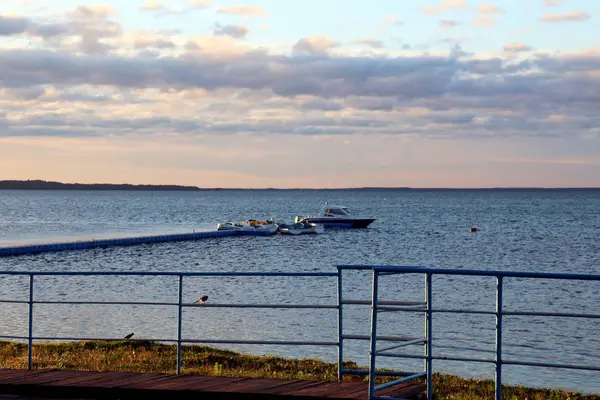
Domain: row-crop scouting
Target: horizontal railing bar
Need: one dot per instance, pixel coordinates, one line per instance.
(442, 358)
(550, 314)
(385, 302)
(518, 313)
(109, 303)
(134, 303)
(382, 373)
(409, 343)
(401, 380)
(465, 311)
(315, 306)
(13, 337)
(401, 355)
(441, 271)
(390, 309)
(548, 365)
(79, 339)
(383, 338)
(166, 273)
(15, 301)
(272, 342)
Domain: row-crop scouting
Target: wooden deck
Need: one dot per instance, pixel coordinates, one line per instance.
(125, 385)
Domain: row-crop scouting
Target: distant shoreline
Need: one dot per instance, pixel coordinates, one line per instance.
(51, 185)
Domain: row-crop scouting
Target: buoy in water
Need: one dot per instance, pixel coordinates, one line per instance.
(473, 229)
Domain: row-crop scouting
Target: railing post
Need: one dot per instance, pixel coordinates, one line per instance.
(498, 381)
(340, 327)
(30, 331)
(373, 355)
(428, 335)
(179, 317)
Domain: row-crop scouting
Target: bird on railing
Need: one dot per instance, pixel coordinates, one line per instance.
(129, 336)
(201, 300)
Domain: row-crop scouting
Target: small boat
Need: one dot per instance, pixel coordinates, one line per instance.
(337, 217)
(299, 228)
(250, 227)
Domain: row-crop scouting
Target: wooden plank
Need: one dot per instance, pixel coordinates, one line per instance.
(288, 387)
(182, 383)
(146, 382)
(85, 378)
(214, 386)
(43, 377)
(119, 381)
(24, 375)
(407, 392)
(323, 390)
(251, 385)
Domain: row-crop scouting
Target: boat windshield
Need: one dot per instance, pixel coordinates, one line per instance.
(332, 212)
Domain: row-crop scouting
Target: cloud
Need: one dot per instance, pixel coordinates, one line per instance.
(147, 41)
(516, 47)
(374, 43)
(93, 12)
(484, 22)
(486, 8)
(444, 6)
(314, 45)
(455, 39)
(392, 19)
(448, 23)
(12, 25)
(553, 3)
(201, 4)
(315, 90)
(235, 31)
(247, 11)
(566, 17)
(153, 5)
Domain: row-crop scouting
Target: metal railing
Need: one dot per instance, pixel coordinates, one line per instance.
(377, 306)
(179, 304)
(427, 308)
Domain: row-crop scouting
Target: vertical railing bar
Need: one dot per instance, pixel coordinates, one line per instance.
(179, 318)
(499, 295)
(30, 331)
(340, 327)
(429, 335)
(372, 355)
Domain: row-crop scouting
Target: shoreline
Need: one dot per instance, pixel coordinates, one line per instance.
(151, 357)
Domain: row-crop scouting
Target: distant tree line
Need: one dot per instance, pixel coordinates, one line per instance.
(49, 185)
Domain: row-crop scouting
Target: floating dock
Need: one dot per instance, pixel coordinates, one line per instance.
(126, 241)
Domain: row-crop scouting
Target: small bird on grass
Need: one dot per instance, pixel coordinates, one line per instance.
(201, 300)
(129, 336)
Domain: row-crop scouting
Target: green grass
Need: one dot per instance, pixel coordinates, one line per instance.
(145, 356)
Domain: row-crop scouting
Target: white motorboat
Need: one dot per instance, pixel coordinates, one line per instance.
(337, 217)
(299, 228)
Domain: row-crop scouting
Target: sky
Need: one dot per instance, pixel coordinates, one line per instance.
(301, 94)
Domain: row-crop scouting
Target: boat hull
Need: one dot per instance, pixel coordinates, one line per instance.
(339, 222)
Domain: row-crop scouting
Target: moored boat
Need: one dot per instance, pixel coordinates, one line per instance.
(250, 227)
(337, 217)
(299, 228)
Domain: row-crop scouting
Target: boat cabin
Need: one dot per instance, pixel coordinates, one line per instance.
(336, 211)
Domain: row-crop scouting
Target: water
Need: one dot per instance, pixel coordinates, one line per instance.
(529, 230)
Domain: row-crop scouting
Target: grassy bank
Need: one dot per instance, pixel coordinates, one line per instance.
(153, 357)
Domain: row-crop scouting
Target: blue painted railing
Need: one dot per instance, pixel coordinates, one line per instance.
(428, 310)
(375, 303)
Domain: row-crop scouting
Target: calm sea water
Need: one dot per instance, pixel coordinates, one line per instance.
(527, 230)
